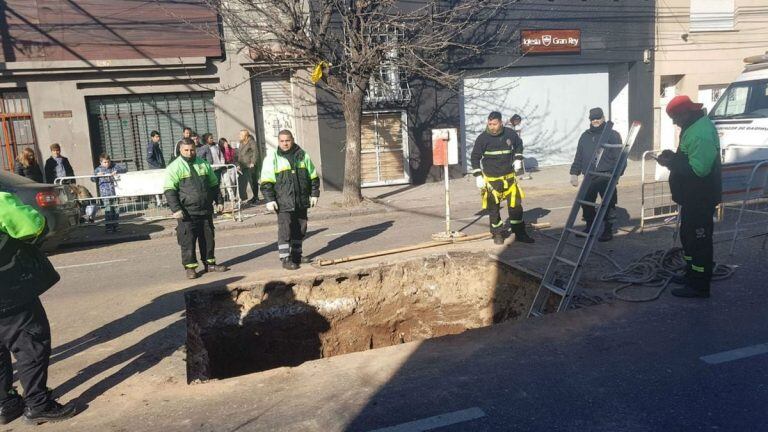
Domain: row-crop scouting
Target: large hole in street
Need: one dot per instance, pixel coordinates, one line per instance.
(245, 329)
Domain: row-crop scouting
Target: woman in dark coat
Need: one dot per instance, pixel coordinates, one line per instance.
(26, 166)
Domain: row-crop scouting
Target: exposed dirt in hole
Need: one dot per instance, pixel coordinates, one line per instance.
(247, 329)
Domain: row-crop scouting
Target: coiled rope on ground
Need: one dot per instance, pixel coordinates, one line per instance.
(654, 270)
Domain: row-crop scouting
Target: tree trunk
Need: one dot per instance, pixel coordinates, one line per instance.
(353, 112)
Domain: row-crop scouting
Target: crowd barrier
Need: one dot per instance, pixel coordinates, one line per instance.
(140, 194)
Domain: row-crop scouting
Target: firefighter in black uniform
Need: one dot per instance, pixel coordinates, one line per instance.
(497, 154)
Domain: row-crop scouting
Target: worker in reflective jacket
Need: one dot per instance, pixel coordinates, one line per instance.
(497, 153)
(191, 187)
(290, 184)
(695, 181)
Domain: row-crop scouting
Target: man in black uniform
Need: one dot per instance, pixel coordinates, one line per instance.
(497, 153)
(584, 153)
(25, 273)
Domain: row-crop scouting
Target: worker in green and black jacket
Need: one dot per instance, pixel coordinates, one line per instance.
(696, 185)
(25, 274)
(290, 184)
(191, 187)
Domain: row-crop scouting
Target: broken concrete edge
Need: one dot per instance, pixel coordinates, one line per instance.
(267, 298)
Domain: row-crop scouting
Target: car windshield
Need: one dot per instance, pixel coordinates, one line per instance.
(747, 99)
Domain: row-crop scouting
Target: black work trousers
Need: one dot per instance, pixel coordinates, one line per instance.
(291, 229)
(27, 334)
(194, 232)
(494, 214)
(597, 187)
(696, 227)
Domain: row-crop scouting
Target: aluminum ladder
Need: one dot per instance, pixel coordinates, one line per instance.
(565, 265)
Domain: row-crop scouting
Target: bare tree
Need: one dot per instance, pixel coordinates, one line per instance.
(358, 44)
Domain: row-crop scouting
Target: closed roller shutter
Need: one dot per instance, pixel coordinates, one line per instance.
(120, 125)
(383, 149)
(274, 110)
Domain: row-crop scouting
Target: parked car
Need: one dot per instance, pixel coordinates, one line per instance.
(55, 202)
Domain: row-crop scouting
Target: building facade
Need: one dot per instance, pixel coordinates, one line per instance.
(566, 57)
(98, 77)
(700, 49)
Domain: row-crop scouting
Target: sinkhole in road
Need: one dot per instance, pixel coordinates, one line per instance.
(233, 331)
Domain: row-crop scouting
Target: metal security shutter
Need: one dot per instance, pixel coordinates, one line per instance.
(275, 92)
(384, 146)
(120, 125)
(274, 110)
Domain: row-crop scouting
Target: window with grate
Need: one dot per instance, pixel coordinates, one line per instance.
(16, 130)
(120, 125)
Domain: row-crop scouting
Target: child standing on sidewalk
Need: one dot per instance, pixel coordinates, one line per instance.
(107, 189)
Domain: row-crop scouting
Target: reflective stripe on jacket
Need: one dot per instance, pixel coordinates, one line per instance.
(289, 179)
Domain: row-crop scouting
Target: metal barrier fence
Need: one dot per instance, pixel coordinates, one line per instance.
(150, 206)
(746, 183)
(744, 198)
(655, 196)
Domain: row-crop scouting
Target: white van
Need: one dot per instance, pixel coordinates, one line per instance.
(741, 114)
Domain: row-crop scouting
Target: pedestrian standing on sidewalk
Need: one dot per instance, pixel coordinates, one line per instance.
(251, 158)
(191, 188)
(58, 166)
(229, 176)
(107, 172)
(585, 150)
(155, 158)
(695, 181)
(24, 329)
(290, 184)
(185, 133)
(516, 124)
(27, 166)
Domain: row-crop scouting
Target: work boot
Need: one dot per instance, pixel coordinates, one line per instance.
(298, 259)
(689, 291)
(192, 274)
(521, 235)
(694, 288)
(216, 268)
(498, 239)
(607, 234)
(52, 412)
(288, 263)
(12, 408)
(679, 279)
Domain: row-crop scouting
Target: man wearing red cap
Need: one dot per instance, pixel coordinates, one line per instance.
(695, 183)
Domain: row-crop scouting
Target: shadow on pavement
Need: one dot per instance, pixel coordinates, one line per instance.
(140, 356)
(358, 235)
(272, 247)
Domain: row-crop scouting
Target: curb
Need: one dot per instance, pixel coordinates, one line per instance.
(381, 206)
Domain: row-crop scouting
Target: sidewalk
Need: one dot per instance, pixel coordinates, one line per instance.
(378, 200)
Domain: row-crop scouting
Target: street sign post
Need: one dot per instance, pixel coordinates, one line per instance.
(445, 152)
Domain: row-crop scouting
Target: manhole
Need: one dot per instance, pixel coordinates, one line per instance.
(232, 332)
